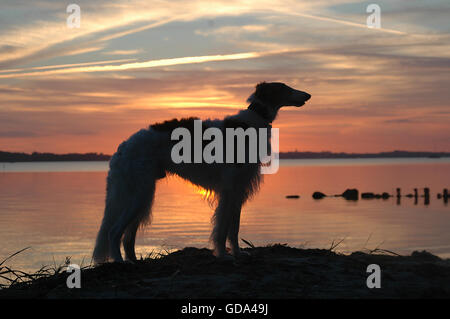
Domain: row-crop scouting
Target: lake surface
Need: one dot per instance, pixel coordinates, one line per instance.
(56, 209)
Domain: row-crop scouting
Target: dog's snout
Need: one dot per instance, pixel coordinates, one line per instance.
(298, 98)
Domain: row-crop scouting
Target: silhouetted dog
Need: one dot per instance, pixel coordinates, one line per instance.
(146, 157)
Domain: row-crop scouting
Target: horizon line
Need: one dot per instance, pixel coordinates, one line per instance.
(291, 151)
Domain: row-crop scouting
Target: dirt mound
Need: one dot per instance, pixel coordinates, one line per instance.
(276, 271)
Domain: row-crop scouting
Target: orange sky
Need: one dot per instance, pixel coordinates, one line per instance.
(132, 63)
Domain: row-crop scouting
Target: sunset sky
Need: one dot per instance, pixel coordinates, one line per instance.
(132, 63)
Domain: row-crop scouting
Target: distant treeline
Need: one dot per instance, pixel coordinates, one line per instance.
(394, 154)
(50, 157)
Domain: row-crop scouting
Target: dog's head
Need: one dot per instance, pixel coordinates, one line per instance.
(268, 98)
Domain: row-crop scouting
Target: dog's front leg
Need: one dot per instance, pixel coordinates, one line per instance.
(221, 220)
(233, 231)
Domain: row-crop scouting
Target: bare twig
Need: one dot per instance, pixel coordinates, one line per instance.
(16, 253)
(334, 245)
(249, 243)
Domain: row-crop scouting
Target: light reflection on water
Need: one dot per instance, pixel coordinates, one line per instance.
(58, 213)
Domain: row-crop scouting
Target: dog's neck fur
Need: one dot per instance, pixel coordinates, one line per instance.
(251, 118)
(262, 109)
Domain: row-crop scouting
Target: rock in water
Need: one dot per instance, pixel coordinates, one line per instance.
(367, 195)
(351, 194)
(318, 195)
(385, 195)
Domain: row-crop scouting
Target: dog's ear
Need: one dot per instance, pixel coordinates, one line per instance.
(252, 97)
(259, 85)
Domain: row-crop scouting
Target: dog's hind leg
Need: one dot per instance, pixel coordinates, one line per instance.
(129, 239)
(144, 217)
(139, 203)
(115, 234)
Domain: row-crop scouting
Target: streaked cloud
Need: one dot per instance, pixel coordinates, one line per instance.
(124, 52)
(140, 65)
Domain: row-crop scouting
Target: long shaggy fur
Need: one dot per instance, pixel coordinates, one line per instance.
(146, 157)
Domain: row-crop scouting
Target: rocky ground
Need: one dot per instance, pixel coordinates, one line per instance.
(276, 271)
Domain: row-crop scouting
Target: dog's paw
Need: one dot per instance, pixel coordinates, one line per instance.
(117, 260)
(243, 254)
(225, 258)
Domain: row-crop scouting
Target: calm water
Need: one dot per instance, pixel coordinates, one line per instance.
(56, 208)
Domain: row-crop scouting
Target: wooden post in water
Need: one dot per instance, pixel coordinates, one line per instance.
(426, 194)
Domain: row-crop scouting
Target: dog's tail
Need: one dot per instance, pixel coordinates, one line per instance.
(101, 252)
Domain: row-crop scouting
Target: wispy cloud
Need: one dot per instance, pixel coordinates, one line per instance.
(58, 66)
(105, 22)
(141, 65)
(340, 21)
(123, 52)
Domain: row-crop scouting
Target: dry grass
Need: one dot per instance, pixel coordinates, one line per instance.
(12, 276)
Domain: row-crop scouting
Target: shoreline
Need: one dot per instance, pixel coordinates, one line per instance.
(20, 157)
